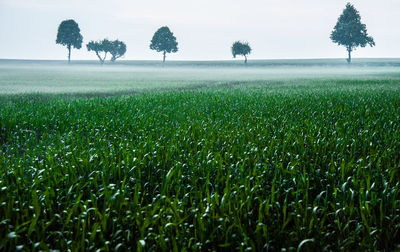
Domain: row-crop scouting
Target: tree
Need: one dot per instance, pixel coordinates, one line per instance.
(69, 35)
(164, 41)
(99, 47)
(117, 50)
(350, 32)
(239, 48)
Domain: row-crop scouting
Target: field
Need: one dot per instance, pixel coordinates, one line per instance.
(296, 155)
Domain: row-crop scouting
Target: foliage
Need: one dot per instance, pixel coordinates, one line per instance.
(241, 48)
(261, 167)
(350, 32)
(99, 47)
(164, 41)
(117, 49)
(69, 35)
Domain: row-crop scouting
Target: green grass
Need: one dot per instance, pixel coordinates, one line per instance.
(213, 164)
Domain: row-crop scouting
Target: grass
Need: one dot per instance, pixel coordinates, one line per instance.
(213, 164)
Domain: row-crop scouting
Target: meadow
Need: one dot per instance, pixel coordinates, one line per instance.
(289, 155)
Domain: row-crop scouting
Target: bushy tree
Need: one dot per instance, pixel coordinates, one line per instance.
(350, 32)
(100, 47)
(164, 41)
(69, 35)
(117, 49)
(241, 48)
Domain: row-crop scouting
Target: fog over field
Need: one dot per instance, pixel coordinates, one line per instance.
(227, 125)
(137, 76)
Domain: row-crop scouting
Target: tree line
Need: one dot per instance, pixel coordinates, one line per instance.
(348, 32)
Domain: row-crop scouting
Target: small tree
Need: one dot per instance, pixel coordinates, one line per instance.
(69, 35)
(164, 41)
(99, 47)
(117, 50)
(239, 48)
(350, 32)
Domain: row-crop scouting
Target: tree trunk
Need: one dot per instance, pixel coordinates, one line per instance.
(102, 61)
(349, 53)
(164, 57)
(245, 59)
(100, 58)
(69, 53)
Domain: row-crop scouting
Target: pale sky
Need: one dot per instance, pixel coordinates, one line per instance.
(205, 30)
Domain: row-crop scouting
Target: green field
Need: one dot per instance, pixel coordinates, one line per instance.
(296, 155)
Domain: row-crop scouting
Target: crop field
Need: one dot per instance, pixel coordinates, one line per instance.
(279, 155)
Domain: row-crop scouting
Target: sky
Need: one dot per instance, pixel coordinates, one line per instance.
(205, 30)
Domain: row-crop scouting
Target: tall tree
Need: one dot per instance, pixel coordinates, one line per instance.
(117, 49)
(69, 35)
(100, 47)
(164, 41)
(350, 32)
(239, 48)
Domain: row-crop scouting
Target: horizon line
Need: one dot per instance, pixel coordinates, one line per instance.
(201, 60)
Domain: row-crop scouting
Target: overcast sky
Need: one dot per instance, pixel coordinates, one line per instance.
(204, 29)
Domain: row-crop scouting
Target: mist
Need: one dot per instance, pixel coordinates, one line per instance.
(126, 77)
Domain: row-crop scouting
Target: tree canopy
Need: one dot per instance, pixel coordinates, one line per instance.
(100, 47)
(69, 35)
(350, 32)
(117, 49)
(241, 48)
(164, 41)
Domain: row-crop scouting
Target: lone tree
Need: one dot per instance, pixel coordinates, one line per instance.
(69, 35)
(350, 32)
(117, 49)
(164, 41)
(239, 48)
(100, 47)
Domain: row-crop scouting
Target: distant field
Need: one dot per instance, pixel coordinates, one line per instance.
(18, 77)
(297, 155)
